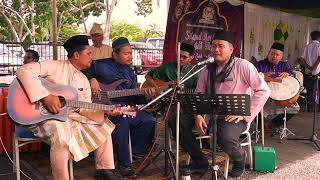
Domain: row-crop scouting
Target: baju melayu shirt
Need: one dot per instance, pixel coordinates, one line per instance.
(168, 72)
(82, 132)
(243, 79)
(102, 52)
(265, 66)
(108, 70)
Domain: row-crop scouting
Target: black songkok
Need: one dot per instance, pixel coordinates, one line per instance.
(187, 47)
(120, 42)
(75, 41)
(277, 46)
(224, 35)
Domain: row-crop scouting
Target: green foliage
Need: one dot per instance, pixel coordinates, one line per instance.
(67, 31)
(153, 31)
(132, 32)
(144, 7)
(69, 15)
(122, 28)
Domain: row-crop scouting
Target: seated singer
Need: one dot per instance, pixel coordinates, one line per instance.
(84, 130)
(273, 68)
(107, 71)
(231, 75)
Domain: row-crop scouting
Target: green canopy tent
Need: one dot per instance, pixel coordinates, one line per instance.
(310, 8)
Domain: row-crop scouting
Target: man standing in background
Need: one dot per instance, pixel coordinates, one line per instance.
(98, 49)
(310, 59)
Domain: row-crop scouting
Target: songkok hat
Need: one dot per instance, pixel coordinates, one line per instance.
(120, 42)
(75, 41)
(187, 47)
(277, 46)
(96, 29)
(224, 35)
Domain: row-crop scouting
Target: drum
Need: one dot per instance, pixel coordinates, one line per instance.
(285, 93)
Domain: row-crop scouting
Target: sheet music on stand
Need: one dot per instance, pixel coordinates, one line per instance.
(219, 104)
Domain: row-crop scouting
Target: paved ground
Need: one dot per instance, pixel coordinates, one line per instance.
(295, 159)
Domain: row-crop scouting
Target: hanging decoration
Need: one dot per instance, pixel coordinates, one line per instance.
(281, 33)
(252, 36)
(260, 49)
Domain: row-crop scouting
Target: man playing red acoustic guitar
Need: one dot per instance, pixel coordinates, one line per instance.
(83, 131)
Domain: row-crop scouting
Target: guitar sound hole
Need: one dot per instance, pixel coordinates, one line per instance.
(62, 101)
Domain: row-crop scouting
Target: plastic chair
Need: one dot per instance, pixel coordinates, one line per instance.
(200, 144)
(130, 148)
(246, 143)
(23, 136)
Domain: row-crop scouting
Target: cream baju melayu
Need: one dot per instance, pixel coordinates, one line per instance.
(101, 52)
(82, 132)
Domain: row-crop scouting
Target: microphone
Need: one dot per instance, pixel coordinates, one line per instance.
(208, 61)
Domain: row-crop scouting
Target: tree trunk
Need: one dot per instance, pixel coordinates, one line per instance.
(54, 29)
(20, 33)
(108, 9)
(13, 30)
(33, 26)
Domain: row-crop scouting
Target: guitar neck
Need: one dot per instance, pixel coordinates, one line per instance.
(86, 105)
(131, 92)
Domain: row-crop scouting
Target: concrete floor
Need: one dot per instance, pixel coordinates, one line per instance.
(290, 152)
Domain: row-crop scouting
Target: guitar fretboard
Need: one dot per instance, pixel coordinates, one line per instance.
(131, 92)
(86, 105)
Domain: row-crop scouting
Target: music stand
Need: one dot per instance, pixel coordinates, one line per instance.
(215, 105)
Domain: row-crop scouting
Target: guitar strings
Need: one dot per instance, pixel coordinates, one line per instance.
(114, 92)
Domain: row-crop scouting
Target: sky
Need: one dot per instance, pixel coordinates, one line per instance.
(125, 10)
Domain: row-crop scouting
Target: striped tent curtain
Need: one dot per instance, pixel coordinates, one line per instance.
(260, 23)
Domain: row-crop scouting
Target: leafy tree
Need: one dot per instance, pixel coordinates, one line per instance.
(133, 32)
(144, 7)
(154, 31)
(30, 20)
(122, 28)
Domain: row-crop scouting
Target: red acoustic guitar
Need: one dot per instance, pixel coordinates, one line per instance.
(22, 111)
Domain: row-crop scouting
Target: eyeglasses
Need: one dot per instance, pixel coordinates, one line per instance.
(184, 57)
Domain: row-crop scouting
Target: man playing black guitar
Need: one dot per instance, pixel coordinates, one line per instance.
(107, 71)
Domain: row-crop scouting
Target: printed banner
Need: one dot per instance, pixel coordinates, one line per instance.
(195, 22)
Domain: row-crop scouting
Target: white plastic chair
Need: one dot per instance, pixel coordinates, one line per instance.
(246, 143)
(130, 148)
(23, 136)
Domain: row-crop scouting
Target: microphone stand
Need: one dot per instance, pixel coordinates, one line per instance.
(313, 138)
(178, 115)
(179, 83)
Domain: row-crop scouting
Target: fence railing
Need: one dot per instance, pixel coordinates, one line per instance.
(144, 56)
